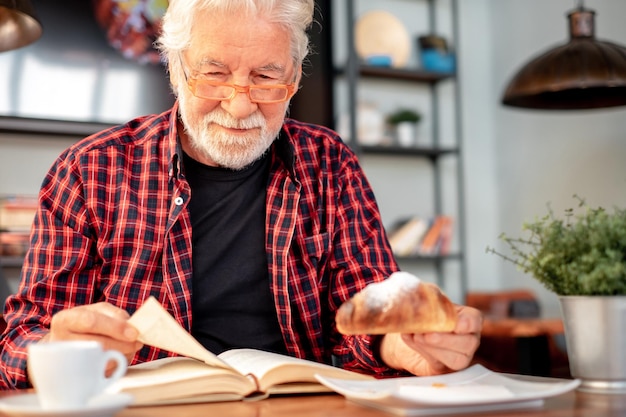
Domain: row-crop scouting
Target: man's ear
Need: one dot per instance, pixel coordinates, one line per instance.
(299, 76)
(173, 69)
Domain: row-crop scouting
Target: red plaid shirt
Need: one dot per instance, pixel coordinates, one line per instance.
(112, 225)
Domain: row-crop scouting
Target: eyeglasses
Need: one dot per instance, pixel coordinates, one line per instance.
(213, 90)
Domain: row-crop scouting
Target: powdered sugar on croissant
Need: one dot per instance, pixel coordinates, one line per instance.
(400, 304)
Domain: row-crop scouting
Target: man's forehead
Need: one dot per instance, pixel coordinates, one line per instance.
(245, 43)
(271, 65)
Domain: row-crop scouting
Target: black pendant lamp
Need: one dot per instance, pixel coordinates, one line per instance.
(584, 73)
(18, 24)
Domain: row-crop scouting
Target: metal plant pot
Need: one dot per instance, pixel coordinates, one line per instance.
(595, 333)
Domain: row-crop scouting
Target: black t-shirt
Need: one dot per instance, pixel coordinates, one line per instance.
(232, 305)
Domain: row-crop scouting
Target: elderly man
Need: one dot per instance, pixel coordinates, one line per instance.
(250, 228)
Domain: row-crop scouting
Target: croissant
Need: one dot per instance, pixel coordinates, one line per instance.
(400, 304)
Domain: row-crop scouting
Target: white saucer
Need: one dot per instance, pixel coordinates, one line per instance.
(27, 405)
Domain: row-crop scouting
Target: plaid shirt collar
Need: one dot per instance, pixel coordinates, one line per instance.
(282, 147)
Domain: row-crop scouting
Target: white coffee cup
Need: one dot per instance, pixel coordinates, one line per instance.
(67, 374)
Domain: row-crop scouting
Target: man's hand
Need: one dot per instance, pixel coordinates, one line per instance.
(435, 353)
(102, 322)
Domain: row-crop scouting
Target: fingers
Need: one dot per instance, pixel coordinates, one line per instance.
(407, 352)
(101, 319)
(452, 350)
(455, 350)
(432, 362)
(436, 353)
(101, 322)
(470, 320)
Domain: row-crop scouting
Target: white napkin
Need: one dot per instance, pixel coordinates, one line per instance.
(450, 394)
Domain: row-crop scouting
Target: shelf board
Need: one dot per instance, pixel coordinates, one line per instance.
(405, 74)
(50, 127)
(405, 151)
(430, 258)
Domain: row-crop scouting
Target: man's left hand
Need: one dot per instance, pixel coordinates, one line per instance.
(435, 353)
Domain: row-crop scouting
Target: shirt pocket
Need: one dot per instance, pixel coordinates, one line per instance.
(314, 252)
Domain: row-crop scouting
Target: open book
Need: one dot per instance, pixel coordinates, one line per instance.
(201, 376)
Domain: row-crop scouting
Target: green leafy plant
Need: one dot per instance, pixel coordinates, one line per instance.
(583, 253)
(404, 115)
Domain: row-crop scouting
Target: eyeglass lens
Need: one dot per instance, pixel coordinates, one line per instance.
(222, 92)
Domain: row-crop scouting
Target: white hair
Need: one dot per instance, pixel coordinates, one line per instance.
(294, 15)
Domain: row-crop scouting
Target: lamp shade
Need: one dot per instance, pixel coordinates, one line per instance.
(584, 73)
(18, 24)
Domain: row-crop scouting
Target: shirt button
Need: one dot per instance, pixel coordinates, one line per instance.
(178, 201)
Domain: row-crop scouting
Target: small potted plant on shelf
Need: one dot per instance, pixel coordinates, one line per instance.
(404, 123)
(582, 258)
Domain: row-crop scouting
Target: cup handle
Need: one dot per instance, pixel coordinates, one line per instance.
(120, 369)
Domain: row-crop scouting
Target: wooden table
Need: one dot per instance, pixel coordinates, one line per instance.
(572, 404)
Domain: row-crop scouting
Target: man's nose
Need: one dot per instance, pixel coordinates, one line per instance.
(240, 106)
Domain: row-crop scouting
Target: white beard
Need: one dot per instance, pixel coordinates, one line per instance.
(229, 151)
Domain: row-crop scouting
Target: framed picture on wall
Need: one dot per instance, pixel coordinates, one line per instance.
(94, 66)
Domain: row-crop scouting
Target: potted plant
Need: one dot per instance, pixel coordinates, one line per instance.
(581, 257)
(404, 122)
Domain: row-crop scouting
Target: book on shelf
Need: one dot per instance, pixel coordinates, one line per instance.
(445, 237)
(198, 375)
(420, 236)
(437, 240)
(17, 212)
(406, 235)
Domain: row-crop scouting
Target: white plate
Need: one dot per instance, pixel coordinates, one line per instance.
(474, 389)
(27, 405)
(379, 32)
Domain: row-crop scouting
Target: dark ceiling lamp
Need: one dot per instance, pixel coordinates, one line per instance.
(18, 24)
(584, 73)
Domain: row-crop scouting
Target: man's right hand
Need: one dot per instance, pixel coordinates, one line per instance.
(102, 322)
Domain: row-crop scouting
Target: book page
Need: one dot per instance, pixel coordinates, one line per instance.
(272, 369)
(181, 379)
(159, 329)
